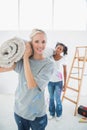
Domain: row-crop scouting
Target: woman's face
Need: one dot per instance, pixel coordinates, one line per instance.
(39, 43)
(59, 49)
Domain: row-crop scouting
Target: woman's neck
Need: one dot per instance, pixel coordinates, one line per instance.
(38, 57)
(57, 57)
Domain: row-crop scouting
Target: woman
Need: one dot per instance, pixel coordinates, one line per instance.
(55, 85)
(34, 73)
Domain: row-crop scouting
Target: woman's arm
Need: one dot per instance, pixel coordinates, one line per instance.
(28, 73)
(65, 76)
(7, 69)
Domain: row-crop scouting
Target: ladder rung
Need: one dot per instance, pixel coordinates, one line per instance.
(73, 89)
(78, 67)
(70, 100)
(81, 47)
(75, 78)
(81, 58)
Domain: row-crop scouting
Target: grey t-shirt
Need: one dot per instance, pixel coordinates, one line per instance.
(30, 103)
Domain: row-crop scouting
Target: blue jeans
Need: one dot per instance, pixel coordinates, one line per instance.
(38, 124)
(55, 103)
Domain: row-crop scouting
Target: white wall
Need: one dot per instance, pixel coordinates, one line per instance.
(9, 80)
(45, 14)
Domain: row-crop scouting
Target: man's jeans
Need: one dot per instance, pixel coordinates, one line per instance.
(38, 124)
(55, 104)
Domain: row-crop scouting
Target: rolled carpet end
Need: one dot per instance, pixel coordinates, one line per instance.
(11, 51)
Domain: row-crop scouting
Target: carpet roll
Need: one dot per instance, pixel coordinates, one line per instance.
(11, 51)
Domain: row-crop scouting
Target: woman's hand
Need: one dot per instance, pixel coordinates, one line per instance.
(64, 87)
(28, 51)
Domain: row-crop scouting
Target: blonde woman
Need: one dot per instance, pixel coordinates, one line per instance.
(34, 74)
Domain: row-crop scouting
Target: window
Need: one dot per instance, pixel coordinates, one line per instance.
(35, 14)
(44, 14)
(70, 14)
(8, 14)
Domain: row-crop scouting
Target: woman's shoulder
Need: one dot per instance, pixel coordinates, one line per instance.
(64, 60)
(48, 52)
(50, 60)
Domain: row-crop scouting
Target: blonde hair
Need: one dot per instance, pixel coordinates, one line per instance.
(36, 31)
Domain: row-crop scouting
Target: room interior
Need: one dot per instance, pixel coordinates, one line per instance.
(63, 21)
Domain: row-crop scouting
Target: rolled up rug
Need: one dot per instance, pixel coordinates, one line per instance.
(11, 51)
